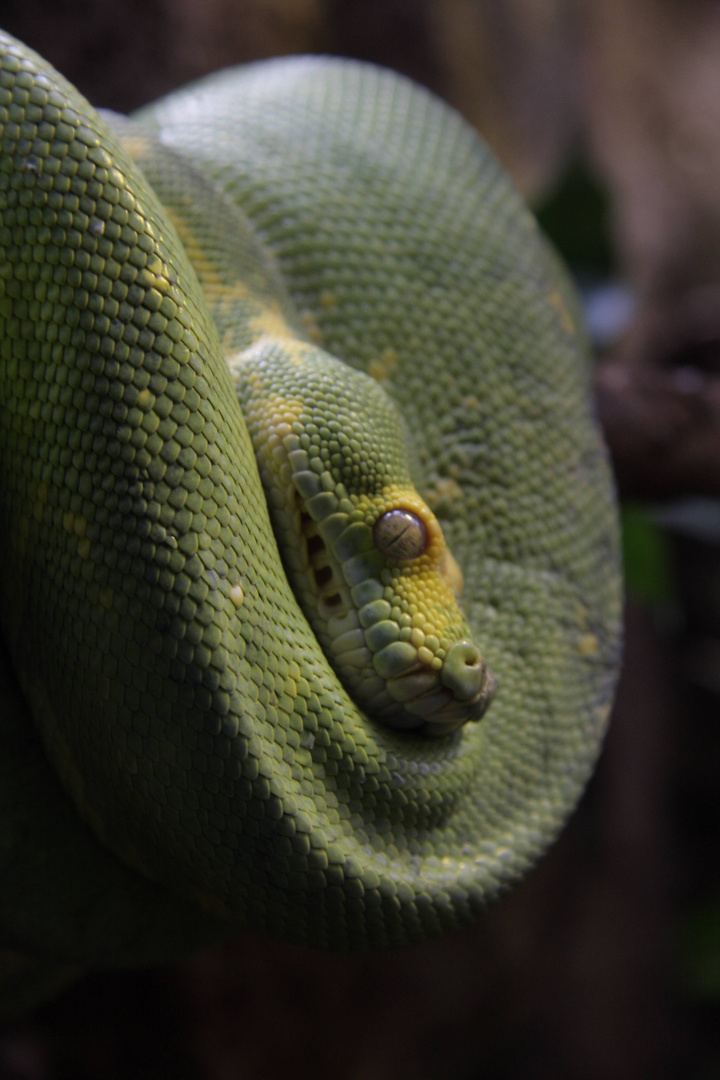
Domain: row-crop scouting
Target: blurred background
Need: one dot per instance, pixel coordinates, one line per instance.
(605, 962)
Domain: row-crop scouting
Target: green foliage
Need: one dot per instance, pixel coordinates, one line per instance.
(575, 215)
(646, 556)
(699, 953)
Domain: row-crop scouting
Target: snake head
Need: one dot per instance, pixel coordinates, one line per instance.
(420, 666)
(365, 555)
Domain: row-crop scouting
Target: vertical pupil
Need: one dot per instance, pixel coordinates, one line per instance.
(400, 534)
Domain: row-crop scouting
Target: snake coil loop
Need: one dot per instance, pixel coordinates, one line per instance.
(309, 335)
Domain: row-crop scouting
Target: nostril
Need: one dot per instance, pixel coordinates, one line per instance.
(464, 670)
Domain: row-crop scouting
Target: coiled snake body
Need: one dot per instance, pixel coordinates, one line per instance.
(363, 759)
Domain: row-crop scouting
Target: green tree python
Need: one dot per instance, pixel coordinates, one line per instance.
(310, 592)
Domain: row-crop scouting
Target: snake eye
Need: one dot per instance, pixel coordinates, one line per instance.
(400, 534)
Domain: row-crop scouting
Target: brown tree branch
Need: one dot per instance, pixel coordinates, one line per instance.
(658, 399)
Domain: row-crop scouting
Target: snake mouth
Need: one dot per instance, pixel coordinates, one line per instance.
(440, 701)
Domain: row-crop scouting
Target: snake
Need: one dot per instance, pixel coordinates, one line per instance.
(310, 592)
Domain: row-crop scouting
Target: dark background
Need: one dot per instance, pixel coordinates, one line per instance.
(605, 962)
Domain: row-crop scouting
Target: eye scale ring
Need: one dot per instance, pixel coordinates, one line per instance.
(401, 535)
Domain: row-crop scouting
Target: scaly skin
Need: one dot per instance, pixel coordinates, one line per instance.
(229, 774)
(364, 553)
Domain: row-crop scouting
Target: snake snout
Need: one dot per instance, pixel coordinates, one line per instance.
(466, 675)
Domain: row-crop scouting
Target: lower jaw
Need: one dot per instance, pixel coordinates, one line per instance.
(436, 711)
